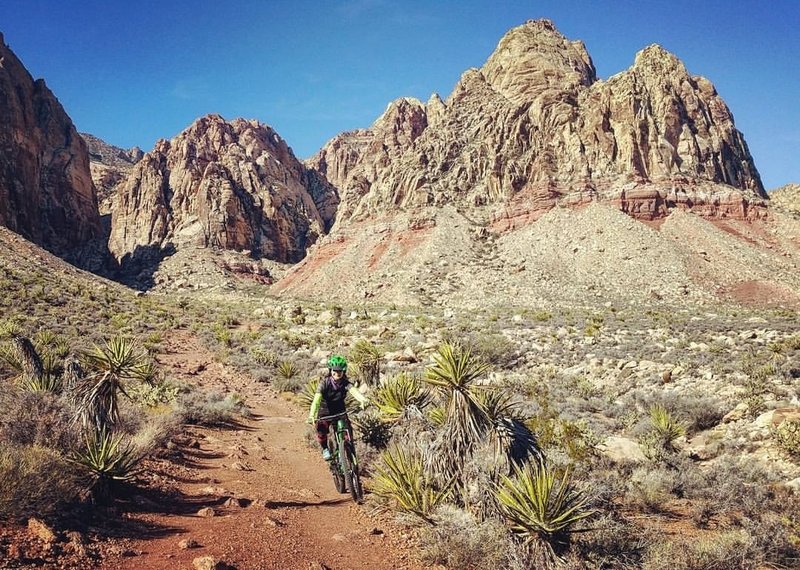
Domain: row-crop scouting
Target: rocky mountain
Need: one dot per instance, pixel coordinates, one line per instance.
(110, 166)
(535, 183)
(232, 185)
(46, 190)
(535, 127)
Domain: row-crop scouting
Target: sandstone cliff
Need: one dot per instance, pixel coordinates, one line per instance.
(233, 185)
(110, 166)
(535, 127)
(46, 191)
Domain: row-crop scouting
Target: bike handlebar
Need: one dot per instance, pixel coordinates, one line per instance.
(333, 417)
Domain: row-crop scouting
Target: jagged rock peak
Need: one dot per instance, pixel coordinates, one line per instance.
(46, 191)
(227, 184)
(534, 127)
(534, 57)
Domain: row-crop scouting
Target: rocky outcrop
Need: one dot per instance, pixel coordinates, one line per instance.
(787, 197)
(535, 127)
(46, 191)
(233, 185)
(110, 166)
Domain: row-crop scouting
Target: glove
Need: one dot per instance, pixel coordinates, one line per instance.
(309, 420)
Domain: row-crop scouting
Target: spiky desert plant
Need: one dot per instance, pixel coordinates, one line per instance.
(453, 376)
(512, 441)
(116, 362)
(106, 459)
(659, 441)
(287, 369)
(306, 395)
(399, 395)
(542, 509)
(366, 358)
(436, 415)
(400, 478)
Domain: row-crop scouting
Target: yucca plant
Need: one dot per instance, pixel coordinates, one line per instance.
(366, 358)
(401, 479)
(436, 415)
(541, 509)
(659, 441)
(107, 460)
(512, 441)
(45, 383)
(400, 394)
(453, 376)
(287, 369)
(116, 362)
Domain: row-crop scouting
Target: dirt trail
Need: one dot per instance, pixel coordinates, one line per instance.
(273, 496)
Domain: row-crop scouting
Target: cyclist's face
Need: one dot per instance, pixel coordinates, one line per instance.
(337, 374)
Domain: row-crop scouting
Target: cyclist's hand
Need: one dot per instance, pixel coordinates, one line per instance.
(309, 420)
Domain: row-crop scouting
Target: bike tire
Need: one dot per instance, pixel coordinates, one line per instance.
(336, 472)
(351, 474)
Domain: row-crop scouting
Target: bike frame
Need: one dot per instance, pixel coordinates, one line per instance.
(345, 464)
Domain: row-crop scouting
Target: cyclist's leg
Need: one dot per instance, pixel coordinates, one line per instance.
(322, 427)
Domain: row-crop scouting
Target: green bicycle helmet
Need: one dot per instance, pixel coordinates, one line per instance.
(337, 362)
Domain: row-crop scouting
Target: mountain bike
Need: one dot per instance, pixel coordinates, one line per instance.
(343, 462)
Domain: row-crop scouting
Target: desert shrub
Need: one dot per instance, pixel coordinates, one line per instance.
(730, 550)
(650, 489)
(154, 395)
(36, 419)
(371, 429)
(155, 432)
(612, 543)
(787, 436)
(35, 481)
(459, 541)
(293, 383)
(210, 408)
(263, 356)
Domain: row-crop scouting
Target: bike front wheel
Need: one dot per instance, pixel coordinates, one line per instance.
(351, 473)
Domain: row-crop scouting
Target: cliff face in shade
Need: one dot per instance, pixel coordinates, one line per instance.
(46, 190)
(233, 185)
(534, 127)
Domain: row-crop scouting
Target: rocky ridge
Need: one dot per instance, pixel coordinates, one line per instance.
(231, 185)
(534, 127)
(46, 190)
(110, 166)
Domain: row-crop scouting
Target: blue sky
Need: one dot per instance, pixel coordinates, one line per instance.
(133, 72)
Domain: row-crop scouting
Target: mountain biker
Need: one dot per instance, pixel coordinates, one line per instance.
(330, 399)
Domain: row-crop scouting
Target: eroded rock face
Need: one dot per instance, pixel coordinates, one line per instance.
(535, 127)
(233, 185)
(46, 191)
(109, 166)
